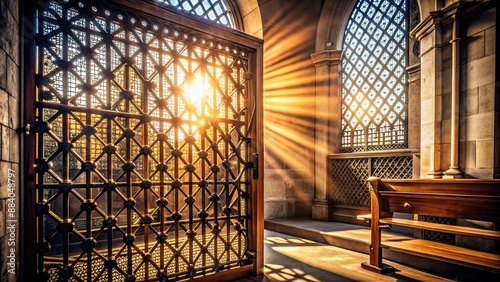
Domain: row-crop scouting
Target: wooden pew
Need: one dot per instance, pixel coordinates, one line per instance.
(473, 199)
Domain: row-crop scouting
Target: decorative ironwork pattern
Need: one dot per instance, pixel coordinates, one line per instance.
(214, 10)
(142, 147)
(374, 102)
(350, 185)
(349, 182)
(439, 236)
(393, 167)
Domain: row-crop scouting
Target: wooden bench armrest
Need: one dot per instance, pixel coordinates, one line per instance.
(364, 217)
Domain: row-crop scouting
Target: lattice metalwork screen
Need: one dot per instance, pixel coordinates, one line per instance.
(142, 147)
(393, 167)
(374, 92)
(350, 185)
(439, 236)
(214, 10)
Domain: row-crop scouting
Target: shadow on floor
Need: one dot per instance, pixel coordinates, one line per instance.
(289, 258)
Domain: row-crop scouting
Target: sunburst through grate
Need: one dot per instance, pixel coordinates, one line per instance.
(141, 147)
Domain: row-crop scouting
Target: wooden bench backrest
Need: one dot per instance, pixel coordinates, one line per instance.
(458, 198)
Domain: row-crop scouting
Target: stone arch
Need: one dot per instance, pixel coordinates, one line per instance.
(250, 16)
(331, 24)
(427, 6)
(334, 16)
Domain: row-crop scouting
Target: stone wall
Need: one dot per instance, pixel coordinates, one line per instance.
(289, 87)
(478, 130)
(9, 140)
(479, 100)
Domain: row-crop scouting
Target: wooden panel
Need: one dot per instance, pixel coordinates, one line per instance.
(227, 275)
(461, 230)
(447, 253)
(480, 208)
(456, 186)
(465, 199)
(375, 154)
(159, 10)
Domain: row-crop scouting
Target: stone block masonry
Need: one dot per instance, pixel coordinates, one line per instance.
(9, 140)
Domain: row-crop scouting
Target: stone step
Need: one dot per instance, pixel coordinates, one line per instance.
(347, 236)
(357, 238)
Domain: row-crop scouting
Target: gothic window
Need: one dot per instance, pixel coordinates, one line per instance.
(374, 92)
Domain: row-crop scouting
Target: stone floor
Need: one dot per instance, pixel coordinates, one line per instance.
(290, 258)
(356, 238)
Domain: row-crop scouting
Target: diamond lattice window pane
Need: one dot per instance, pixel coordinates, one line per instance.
(374, 76)
(214, 10)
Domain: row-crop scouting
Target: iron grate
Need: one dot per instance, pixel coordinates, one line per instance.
(393, 167)
(142, 147)
(349, 176)
(144, 271)
(439, 236)
(349, 182)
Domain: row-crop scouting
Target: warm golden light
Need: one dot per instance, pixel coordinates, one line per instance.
(195, 96)
(196, 90)
(289, 101)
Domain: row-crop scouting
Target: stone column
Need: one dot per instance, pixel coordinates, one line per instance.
(432, 42)
(439, 96)
(428, 32)
(414, 114)
(454, 170)
(327, 127)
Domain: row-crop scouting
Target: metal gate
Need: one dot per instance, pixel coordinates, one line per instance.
(143, 148)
